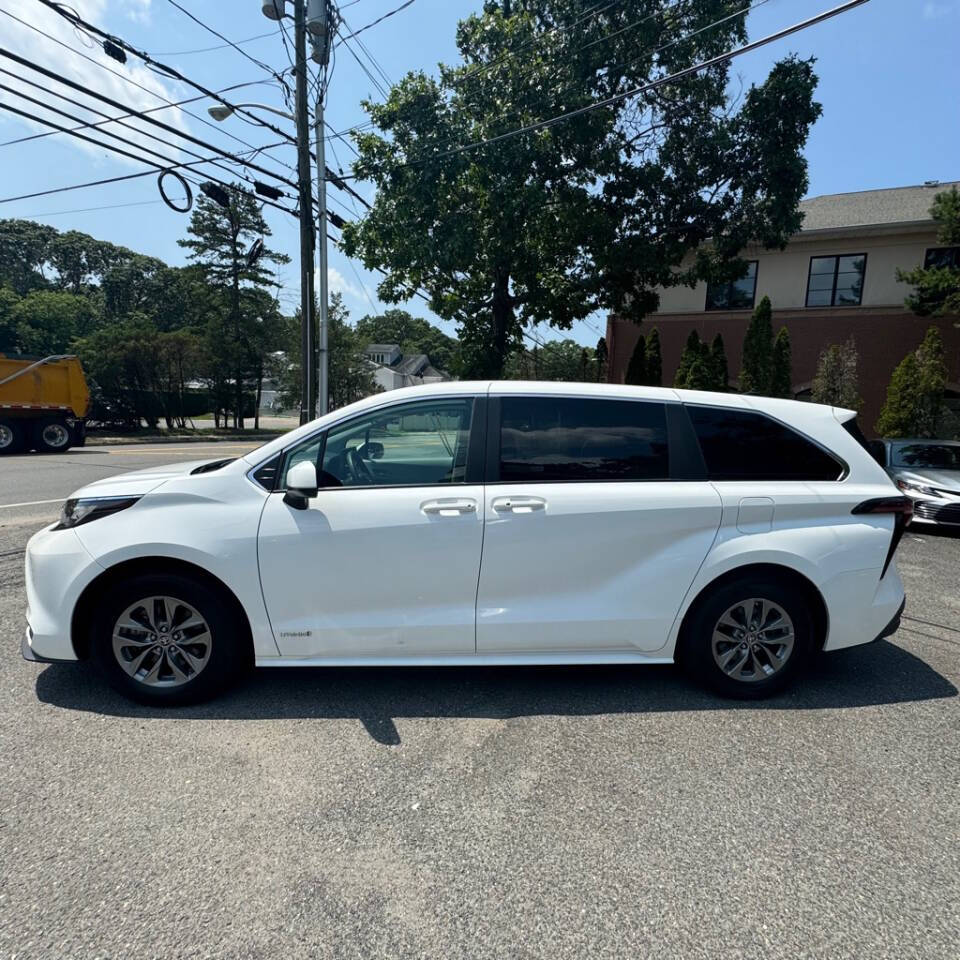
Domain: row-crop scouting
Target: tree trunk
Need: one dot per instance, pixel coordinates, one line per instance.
(256, 409)
(502, 310)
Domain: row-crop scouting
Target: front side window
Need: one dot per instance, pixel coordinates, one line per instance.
(942, 257)
(417, 444)
(741, 445)
(563, 439)
(836, 281)
(736, 295)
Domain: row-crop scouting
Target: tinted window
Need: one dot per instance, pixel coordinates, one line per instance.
(556, 439)
(738, 445)
(836, 281)
(942, 257)
(417, 444)
(738, 295)
(944, 456)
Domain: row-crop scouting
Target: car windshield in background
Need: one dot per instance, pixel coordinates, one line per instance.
(943, 456)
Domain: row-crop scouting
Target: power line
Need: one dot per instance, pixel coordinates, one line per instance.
(151, 120)
(134, 83)
(643, 88)
(230, 43)
(109, 206)
(221, 46)
(156, 65)
(403, 6)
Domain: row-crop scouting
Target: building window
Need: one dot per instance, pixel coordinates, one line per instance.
(836, 281)
(736, 295)
(942, 257)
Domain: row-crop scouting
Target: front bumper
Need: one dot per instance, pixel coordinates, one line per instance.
(57, 569)
(28, 653)
(944, 512)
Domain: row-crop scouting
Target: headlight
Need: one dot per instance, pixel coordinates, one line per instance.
(77, 511)
(911, 486)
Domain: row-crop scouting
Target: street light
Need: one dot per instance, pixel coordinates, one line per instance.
(221, 111)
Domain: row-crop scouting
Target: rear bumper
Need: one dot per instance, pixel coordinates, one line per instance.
(862, 606)
(894, 625)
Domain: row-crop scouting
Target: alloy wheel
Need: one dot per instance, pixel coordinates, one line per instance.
(162, 642)
(753, 640)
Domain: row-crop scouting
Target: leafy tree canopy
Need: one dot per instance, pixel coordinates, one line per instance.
(595, 211)
(413, 335)
(914, 406)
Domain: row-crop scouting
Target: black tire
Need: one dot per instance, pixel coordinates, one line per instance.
(228, 654)
(754, 681)
(52, 436)
(11, 436)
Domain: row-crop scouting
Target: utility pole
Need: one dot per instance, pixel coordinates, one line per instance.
(307, 404)
(321, 31)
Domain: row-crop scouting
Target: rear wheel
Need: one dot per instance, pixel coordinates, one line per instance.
(11, 436)
(51, 436)
(167, 639)
(749, 638)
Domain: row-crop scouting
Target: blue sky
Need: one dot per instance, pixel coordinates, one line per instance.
(889, 75)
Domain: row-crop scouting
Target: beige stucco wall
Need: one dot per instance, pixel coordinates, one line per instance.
(782, 275)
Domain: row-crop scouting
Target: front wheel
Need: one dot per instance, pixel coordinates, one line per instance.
(167, 640)
(749, 638)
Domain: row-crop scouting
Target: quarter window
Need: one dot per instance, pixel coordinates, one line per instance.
(562, 439)
(836, 281)
(736, 295)
(942, 257)
(739, 445)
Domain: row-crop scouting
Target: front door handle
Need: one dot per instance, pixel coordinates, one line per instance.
(449, 507)
(519, 504)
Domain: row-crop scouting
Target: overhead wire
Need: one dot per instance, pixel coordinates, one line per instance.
(221, 46)
(403, 6)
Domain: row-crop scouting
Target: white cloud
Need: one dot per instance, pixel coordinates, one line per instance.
(934, 11)
(42, 50)
(338, 283)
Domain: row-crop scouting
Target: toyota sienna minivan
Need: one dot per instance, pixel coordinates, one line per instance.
(485, 523)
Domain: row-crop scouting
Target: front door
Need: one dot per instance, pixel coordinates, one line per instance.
(384, 561)
(591, 539)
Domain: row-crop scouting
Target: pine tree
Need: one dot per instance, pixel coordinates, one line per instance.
(835, 382)
(637, 367)
(691, 353)
(718, 354)
(757, 363)
(654, 359)
(781, 379)
(701, 375)
(601, 359)
(936, 288)
(914, 404)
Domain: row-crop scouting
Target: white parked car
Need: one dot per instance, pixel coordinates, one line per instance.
(485, 523)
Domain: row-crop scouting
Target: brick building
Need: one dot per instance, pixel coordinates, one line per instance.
(836, 278)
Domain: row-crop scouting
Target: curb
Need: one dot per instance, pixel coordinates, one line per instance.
(98, 440)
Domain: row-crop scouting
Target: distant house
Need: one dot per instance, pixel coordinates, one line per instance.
(836, 278)
(393, 370)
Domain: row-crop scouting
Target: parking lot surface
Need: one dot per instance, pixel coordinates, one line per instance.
(522, 813)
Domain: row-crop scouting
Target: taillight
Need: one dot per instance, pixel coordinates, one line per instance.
(902, 510)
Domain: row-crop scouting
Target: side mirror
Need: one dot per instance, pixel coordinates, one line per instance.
(301, 484)
(371, 450)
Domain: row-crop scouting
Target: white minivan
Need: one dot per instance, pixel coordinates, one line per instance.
(485, 523)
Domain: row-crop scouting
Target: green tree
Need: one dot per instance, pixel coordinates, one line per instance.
(692, 352)
(701, 375)
(654, 359)
(23, 254)
(718, 355)
(559, 360)
(596, 211)
(47, 321)
(8, 326)
(221, 241)
(757, 363)
(937, 287)
(835, 382)
(914, 404)
(637, 367)
(350, 375)
(781, 375)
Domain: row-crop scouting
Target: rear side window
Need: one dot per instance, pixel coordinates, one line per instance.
(740, 445)
(563, 439)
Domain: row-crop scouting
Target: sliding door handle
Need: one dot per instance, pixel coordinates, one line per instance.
(449, 507)
(519, 504)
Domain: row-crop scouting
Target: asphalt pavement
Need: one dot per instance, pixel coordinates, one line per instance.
(520, 813)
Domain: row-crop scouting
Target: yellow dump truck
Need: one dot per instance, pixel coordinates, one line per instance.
(43, 404)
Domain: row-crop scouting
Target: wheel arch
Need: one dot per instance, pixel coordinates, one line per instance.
(83, 611)
(814, 598)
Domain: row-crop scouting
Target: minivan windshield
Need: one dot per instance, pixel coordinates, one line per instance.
(943, 456)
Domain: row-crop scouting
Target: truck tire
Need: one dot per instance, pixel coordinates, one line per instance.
(51, 436)
(11, 436)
